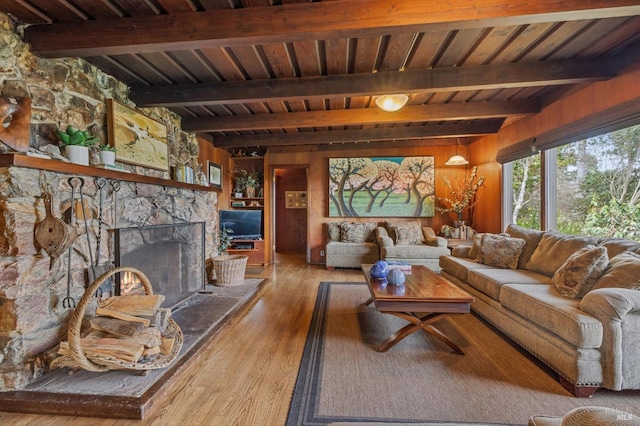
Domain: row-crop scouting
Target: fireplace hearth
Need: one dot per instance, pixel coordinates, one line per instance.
(127, 394)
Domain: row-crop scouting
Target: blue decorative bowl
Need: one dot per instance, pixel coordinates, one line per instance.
(377, 271)
(384, 265)
(396, 277)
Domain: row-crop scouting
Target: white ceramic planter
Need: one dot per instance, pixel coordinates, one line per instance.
(77, 154)
(107, 157)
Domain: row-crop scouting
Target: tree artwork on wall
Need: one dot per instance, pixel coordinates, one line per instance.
(382, 187)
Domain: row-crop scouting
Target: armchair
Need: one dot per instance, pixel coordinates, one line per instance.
(412, 243)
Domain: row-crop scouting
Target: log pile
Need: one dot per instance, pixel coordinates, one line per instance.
(129, 328)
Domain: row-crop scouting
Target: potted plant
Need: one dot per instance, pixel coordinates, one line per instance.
(229, 269)
(107, 154)
(247, 181)
(224, 240)
(77, 143)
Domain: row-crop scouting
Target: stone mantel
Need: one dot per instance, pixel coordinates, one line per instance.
(21, 160)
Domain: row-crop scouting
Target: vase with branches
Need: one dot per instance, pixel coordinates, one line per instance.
(461, 196)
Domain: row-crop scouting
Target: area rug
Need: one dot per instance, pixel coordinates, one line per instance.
(343, 378)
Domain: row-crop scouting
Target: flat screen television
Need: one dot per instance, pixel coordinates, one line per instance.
(245, 224)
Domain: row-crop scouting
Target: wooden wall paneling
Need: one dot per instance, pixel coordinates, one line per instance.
(487, 210)
(208, 152)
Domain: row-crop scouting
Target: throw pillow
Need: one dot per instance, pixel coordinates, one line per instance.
(475, 246)
(357, 232)
(554, 249)
(500, 251)
(390, 225)
(623, 272)
(333, 231)
(532, 238)
(408, 235)
(580, 271)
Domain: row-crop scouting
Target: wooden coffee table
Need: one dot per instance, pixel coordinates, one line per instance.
(424, 298)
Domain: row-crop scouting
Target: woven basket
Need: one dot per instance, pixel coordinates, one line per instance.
(104, 362)
(230, 269)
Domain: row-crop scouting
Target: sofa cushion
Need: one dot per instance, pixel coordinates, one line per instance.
(546, 307)
(623, 271)
(357, 232)
(580, 271)
(500, 251)
(490, 281)
(554, 249)
(459, 267)
(615, 246)
(532, 239)
(413, 252)
(408, 234)
(341, 248)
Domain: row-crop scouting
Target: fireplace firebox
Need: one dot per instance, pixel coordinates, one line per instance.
(171, 256)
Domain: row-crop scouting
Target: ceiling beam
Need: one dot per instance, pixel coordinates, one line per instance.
(361, 116)
(297, 22)
(445, 130)
(483, 77)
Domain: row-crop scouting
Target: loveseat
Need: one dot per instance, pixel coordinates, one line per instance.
(571, 301)
(350, 244)
(411, 242)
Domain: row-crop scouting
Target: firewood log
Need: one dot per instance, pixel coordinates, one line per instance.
(137, 305)
(116, 326)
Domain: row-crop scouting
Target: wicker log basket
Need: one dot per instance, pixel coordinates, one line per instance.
(230, 269)
(104, 362)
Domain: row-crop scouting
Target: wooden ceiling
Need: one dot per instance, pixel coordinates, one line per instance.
(268, 73)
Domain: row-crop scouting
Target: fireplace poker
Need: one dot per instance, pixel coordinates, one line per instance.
(86, 231)
(115, 186)
(100, 183)
(99, 270)
(69, 302)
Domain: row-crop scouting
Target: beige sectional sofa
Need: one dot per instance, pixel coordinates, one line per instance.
(572, 302)
(411, 242)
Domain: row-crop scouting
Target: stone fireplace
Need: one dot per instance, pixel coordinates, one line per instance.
(32, 316)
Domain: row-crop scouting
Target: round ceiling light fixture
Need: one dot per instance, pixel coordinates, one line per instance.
(391, 103)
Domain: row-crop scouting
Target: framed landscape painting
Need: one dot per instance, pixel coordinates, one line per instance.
(382, 187)
(138, 139)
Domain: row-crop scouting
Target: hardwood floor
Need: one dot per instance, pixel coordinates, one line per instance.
(246, 375)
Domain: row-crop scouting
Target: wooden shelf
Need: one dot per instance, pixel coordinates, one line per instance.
(21, 160)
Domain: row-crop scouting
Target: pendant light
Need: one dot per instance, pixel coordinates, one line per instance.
(456, 159)
(391, 103)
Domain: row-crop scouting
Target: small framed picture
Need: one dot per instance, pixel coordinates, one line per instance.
(215, 175)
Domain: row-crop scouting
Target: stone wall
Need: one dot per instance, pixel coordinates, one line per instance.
(73, 92)
(32, 316)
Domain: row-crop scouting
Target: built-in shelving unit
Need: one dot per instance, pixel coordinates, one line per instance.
(257, 250)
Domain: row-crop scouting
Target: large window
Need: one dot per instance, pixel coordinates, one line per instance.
(592, 187)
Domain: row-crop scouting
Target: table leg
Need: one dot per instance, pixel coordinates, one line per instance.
(369, 301)
(416, 323)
